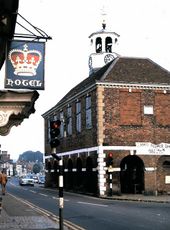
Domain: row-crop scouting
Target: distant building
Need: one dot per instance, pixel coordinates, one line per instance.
(6, 163)
(115, 131)
(20, 170)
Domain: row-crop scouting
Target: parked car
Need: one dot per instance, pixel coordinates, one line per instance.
(41, 179)
(35, 179)
(26, 180)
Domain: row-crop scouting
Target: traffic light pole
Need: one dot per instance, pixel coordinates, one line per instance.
(110, 184)
(61, 198)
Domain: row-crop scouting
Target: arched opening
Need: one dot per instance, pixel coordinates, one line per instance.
(108, 44)
(48, 166)
(55, 166)
(89, 175)
(70, 165)
(132, 175)
(98, 45)
(162, 174)
(70, 174)
(54, 174)
(79, 172)
(89, 164)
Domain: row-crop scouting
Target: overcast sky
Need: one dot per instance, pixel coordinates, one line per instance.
(144, 29)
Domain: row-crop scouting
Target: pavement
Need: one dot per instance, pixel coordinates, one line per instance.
(16, 214)
(141, 198)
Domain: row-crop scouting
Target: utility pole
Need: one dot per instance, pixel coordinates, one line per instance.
(54, 142)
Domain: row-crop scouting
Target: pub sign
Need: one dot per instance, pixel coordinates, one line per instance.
(25, 65)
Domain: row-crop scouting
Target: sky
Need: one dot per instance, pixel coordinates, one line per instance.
(143, 26)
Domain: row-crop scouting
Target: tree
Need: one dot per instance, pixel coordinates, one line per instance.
(36, 168)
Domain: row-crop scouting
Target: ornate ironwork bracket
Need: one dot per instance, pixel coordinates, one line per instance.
(34, 34)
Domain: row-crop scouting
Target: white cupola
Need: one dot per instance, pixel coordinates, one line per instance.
(102, 46)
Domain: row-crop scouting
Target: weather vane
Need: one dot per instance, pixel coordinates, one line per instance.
(103, 14)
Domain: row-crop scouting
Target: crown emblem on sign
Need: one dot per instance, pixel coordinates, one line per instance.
(25, 62)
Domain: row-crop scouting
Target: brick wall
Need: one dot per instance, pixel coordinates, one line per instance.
(125, 122)
(118, 119)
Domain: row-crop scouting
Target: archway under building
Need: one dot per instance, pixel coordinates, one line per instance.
(132, 175)
(79, 165)
(90, 177)
(70, 176)
(162, 174)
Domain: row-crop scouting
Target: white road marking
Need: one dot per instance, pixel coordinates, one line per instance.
(102, 205)
(42, 194)
(33, 191)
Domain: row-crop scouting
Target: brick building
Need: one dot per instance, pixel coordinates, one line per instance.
(115, 131)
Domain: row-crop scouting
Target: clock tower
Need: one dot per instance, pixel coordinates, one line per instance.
(102, 46)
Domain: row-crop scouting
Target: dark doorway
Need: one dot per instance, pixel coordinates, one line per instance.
(90, 176)
(132, 175)
(79, 173)
(70, 180)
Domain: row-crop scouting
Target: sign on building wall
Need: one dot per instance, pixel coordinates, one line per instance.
(25, 65)
(167, 179)
(145, 148)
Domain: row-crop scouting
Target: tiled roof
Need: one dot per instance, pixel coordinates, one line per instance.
(138, 71)
(124, 70)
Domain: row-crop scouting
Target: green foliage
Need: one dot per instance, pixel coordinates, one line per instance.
(36, 168)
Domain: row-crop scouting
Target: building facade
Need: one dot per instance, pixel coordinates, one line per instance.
(115, 130)
(6, 163)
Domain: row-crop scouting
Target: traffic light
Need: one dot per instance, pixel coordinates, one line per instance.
(110, 160)
(54, 133)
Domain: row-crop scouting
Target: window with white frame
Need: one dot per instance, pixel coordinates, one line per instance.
(78, 116)
(69, 120)
(88, 112)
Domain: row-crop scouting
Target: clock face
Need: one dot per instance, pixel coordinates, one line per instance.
(90, 62)
(108, 58)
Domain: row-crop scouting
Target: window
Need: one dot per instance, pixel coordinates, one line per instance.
(62, 124)
(162, 109)
(98, 45)
(88, 112)
(69, 120)
(48, 126)
(48, 131)
(130, 108)
(148, 109)
(78, 116)
(166, 164)
(108, 44)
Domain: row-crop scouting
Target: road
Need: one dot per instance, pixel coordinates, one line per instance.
(94, 213)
